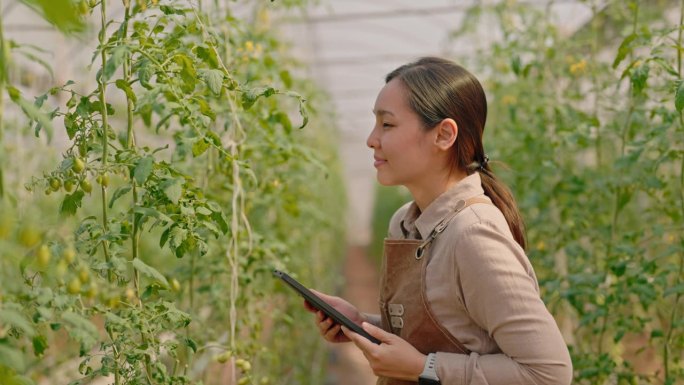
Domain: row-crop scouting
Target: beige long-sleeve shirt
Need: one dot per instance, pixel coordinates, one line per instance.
(482, 288)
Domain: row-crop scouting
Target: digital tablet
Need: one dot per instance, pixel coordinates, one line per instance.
(323, 306)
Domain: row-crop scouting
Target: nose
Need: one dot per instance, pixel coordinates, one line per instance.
(373, 141)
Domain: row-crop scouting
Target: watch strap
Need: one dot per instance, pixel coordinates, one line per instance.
(429, 375)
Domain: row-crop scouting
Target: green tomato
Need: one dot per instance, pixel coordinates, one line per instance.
(86, 186)
(69, 186)
(55, 184)
(175, 285)
(68, 255)
(43, 256)
(74, 286)
(83, 275)
(61, 269)
(29, 236)
(103, 180)
(78, 165)
(223, 357)
(244, 365)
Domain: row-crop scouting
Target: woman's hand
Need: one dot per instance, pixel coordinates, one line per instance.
(330, 330)
(394, 357)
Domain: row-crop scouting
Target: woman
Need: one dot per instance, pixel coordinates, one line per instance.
(459, 299)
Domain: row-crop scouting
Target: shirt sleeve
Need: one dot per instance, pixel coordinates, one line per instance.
(500, 293)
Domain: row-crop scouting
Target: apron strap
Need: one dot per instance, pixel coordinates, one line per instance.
(460, 205)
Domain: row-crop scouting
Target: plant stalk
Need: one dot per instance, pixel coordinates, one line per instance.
(105, 127)
(130, 143)
(3, 76)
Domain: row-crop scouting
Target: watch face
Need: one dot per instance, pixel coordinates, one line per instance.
(428, 381)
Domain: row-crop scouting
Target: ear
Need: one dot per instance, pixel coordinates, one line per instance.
(447, 132)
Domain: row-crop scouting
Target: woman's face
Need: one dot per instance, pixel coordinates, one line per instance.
(404, 152)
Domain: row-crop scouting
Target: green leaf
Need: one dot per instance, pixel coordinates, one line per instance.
(639, 78)
(249, 97)
(63, 14)
(214, 80)
(199, 147)
(286, 78)
(15, 319)
(177, 236)
(149, 271)
(516, 64)
(303, 113)
(679, 96)
(70, 126)
(173, 189)
(189, 342)
(677, 289)
(39, 345)
(624, 49)
(126, 88)
(71, 203)
(187, 73)
(168, 10)
(12, 358)
(150, 212)
(121, 191)
(212, 138)
(164, 237)
(32, 112)
(81, 329)
(203, 210)
(143, 169)
(114, 61)
(207, 55)
(145, 73)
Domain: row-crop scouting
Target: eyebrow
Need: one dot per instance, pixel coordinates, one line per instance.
(382, 112)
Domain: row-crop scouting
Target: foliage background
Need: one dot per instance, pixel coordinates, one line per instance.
(142, 251)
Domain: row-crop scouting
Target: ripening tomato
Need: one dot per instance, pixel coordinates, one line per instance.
(86, 186)
(223, 357)
(69, 186)
(55, 184)
(103, 179)
(83, 275)
(244, 365)
(175, 285)
(29, 236)
(43, 256)
(74, 286)
(78, 165)
(68, 254)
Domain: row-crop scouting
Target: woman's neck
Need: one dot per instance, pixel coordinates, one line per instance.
(428, 189)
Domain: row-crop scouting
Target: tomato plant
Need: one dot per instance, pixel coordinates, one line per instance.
(186, 178)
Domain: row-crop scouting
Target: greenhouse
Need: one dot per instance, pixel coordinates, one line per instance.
(480, 192)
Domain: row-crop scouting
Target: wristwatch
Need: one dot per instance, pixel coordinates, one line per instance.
(429, 375)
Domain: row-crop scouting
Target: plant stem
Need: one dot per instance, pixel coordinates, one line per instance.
(102, 85)
(3, 76)
(130, 143)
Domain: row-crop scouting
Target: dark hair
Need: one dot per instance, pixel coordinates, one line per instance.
(439, 89)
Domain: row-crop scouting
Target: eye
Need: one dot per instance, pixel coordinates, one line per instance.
(387, 125)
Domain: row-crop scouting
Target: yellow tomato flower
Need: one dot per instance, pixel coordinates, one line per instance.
(509, 100)
(579, 67)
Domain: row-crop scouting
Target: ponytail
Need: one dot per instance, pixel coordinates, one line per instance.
(502, 197)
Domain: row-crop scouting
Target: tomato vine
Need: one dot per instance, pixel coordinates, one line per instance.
(204, 185)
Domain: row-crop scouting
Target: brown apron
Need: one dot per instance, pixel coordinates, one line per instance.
(404, 308)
